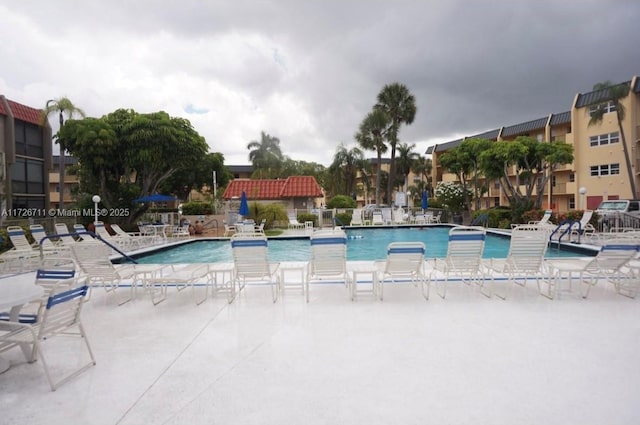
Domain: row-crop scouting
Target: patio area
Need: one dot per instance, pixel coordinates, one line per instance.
(463, 360)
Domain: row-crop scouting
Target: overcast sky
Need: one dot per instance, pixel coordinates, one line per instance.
(308, 72)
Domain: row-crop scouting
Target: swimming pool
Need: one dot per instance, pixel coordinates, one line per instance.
(362, 244)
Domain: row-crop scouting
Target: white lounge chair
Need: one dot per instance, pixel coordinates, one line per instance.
(92, 260)
(129, 240)
(405, 260)
(377, 219)
(544, 220)
(64, 235)
(189, 276)
(463, 260)
(568, 229)
(251, 261)
(294, 224)
(387, 215)
(61, 316)
(43, 240)
(607, 264)
(398, 216)
(436, 218)
(583, 228)
(328, 260)
(524, 260)
(23, 256)
(229, 229)
(356, 217)
(260, 227)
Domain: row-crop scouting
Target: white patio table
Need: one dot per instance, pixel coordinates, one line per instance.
(13, 295)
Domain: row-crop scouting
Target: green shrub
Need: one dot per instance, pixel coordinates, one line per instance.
(197, 208)
(269, 212)
(345, 218)
(495, 217)
(341, 201)
(302, 217)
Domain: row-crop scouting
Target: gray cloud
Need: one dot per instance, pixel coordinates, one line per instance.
(309, 71)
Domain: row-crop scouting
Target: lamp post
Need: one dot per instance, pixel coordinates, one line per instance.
(96, 200)
(582, 191)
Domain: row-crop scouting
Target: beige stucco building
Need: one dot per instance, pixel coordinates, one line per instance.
(599, 170)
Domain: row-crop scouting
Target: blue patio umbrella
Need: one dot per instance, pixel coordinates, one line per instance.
(425, 200)
(244, 205)
(156, 197)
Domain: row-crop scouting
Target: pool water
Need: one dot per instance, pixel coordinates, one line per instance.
(362, 244)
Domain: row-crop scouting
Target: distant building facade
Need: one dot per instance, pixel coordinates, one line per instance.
(25, 157)
(599, 167)
(71, 182)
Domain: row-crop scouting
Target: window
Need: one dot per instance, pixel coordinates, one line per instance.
(27, 176)
(604, 139)
(496, 202)
(24, 202)
(572, 177)
(28, 139)
(572, 203)
(604, 170)
(553, 181)
(607, 107)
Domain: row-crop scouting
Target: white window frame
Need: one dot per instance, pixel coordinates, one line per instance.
(604, 139)
(604, 170)
(610, 107)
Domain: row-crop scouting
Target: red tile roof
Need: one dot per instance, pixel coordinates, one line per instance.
(23, 112)
(291, 187)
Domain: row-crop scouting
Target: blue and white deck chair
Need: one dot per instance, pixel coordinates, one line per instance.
(524, 260)
(328, 260)
(23, 256)
(463, 260)
(47, 245)
(405, 261)
(251, 261)
(61, 316)
(607, 264)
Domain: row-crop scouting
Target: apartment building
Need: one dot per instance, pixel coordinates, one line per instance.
(25, 158)
(71, 182)
(599, 170)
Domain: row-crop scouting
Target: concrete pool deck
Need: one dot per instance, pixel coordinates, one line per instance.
(463, 360)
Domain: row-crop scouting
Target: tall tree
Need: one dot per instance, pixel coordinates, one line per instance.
(265, 156)
(613, 94)
(63, 107)
(534, 163)
(124, 155)
(405, 162)
(400, 106)
(472, 148)
(343, 171)
(423, 167)
(370, 136)
(457, 161)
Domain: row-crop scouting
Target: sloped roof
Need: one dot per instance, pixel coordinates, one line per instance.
(525, 127)
(561, 118)
(596, 96)
(291, 187)
(22, 112)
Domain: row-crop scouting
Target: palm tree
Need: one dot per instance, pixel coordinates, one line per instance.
(400, 106)
(406, 160)
(371, 137)
(613, 94)
(62, 106)
(423, 167)
(344, 169)
(265, 155)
